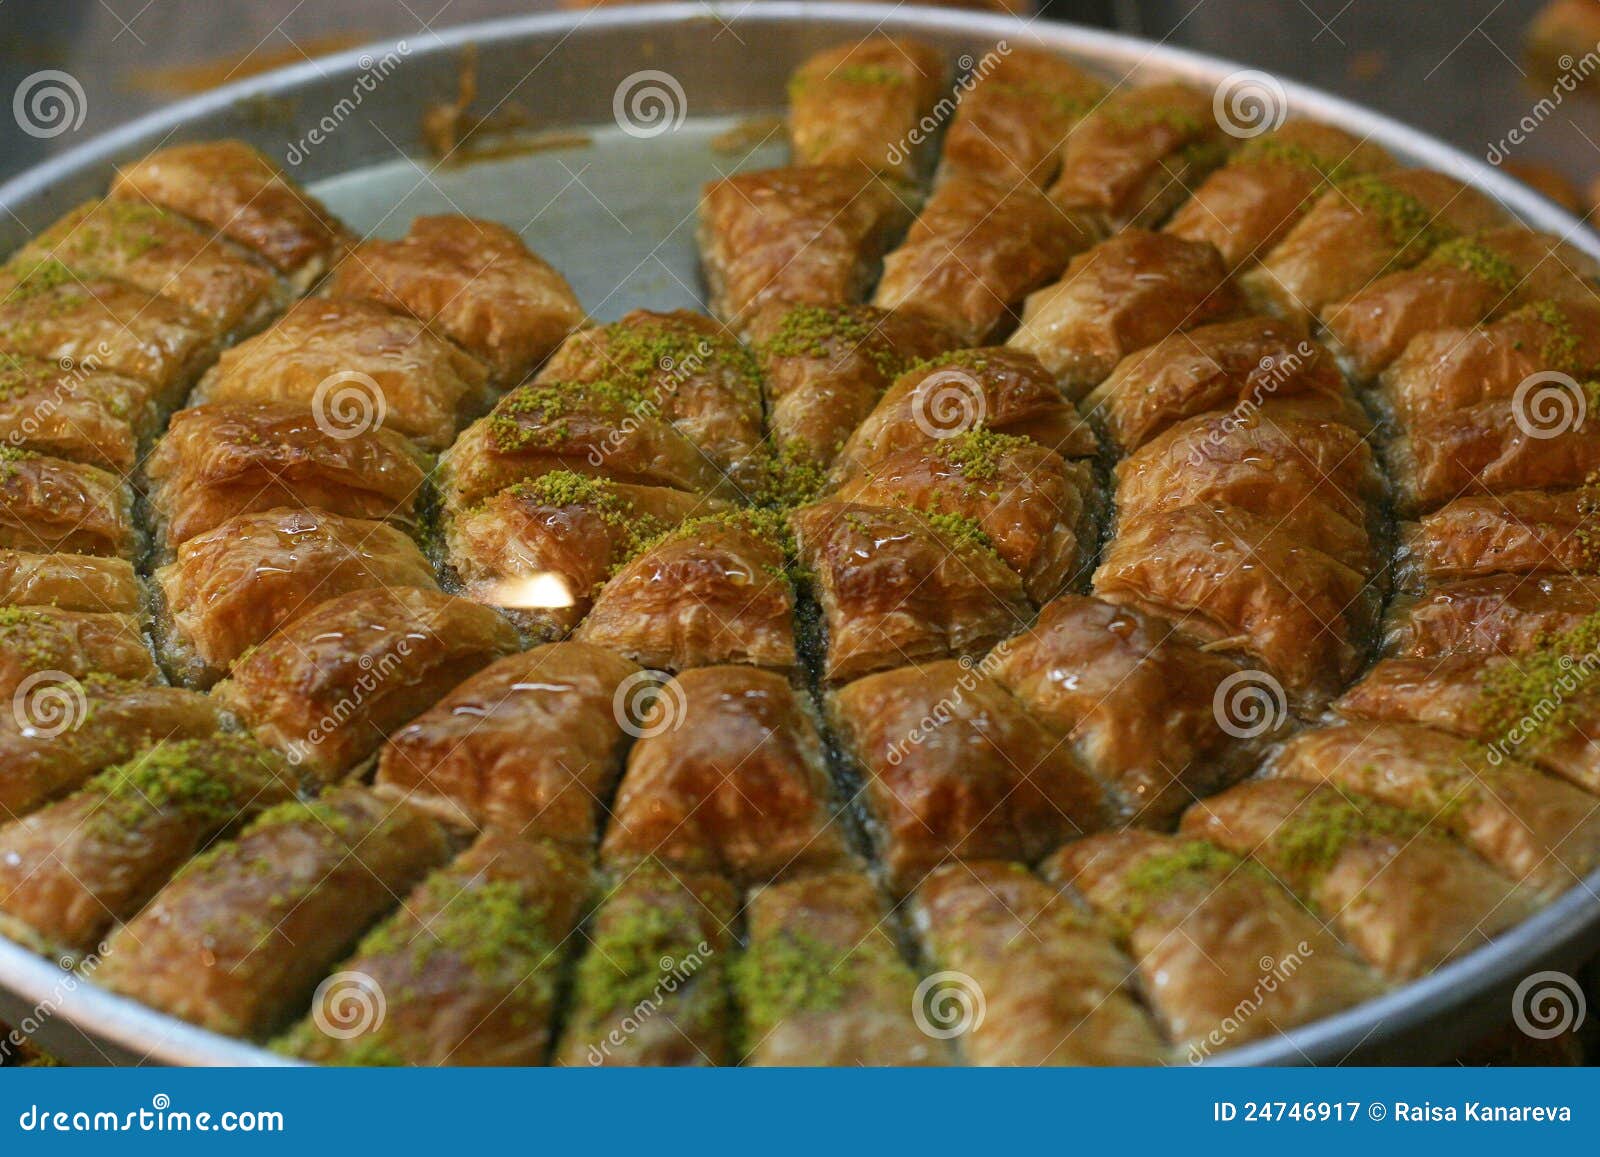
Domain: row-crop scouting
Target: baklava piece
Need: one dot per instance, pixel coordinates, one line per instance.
(50, 314)
(1012, 124)
(1133, 159)
(235, 585)
(826, 368)
(230, 187)
(902, 586)
(1268, 184)
(67, 731)
(1236, 582)
(1237, 366)
(541, 550)
(1052, 987)
(863, 104)
(219, 461)
(689, 371)
(81, 413)
(1460, 283)
(357, 366)
(36, 642)
(728, 777)
(1359, 230)
(1000, 389)
(1159, 720)
(159, 252)
(715, 589)
(1496, 615)
(661, 936)
(332, 685)
(975, 252)
(1393, 885)
(1526, 532)
(71, 871)
(1122, 295)
(50, 505)
(1534, 828)
(1036, 510)
(799, 236)
(956, 769)
(69, 582)
(1212, 935)
(239, 939)
(472, 281)
(822, 981)
(533, 743)
(469, 967)
(600, 429)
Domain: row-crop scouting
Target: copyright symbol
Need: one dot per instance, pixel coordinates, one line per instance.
(1376, 1111)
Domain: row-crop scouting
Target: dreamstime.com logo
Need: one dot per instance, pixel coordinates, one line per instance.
(49, 103)
(948, 1004)
(348, 404)
(49, 703)
(1249, 704)
(1549, 404)
(948, 403)
(649, 103)
(347, 1005)
(1248, 103)
(649, 703)
(1547, 1004)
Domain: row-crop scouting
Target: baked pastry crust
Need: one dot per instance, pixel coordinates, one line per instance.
(49, 506)
(901, 586)
(1055, 987)
(998, 388)
(1525, 532)
(69, 582)
(1133, 159)
(822, 982)
(1397, 890)
(84, 414)
(729, 777)
(1212, 934)
(650, 915)
(469, 965)
(811, 235)
(72, 870)
(232, 587)
(1268, 184)
(219, 461)
(237, 942)
(234, 189)
(861, 104)
(331, 686)
(1368, 226)
(359, 365)
(472, 281)
(956, 769)
(46, 641)
(975, 252)
(1494, 615)
(532, 743)
(1012, 125)
(1139, 707)
(1122, 295)
(44, 759)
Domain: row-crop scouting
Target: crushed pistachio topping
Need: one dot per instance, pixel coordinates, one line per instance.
(1317, 834)
(492, 927)
(1406, 222)
(1272, 150)
(959, 531)
(633, 934)
(633, 528)
(37, 278)
(788, 478)
(532, 415)
(976, 360)
(1139, 117)
(817, 331)
(1470, 254)
(644, 351)
(1065, 103)
(771, 526)
(199, 777)
(977, 453)
(789, 974)
(1560, 350)
(1533, 698)
(1193, 863)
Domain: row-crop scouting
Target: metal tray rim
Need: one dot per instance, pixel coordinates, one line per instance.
(1562, 930)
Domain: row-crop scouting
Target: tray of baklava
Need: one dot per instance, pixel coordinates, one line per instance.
(1065, 577)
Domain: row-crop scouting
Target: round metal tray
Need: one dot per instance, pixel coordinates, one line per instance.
(616, 215)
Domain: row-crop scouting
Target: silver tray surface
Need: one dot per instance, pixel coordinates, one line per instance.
(616, 215)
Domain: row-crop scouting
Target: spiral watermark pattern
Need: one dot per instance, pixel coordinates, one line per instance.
(649, 703)
(1547, 1004)
(1249, 704)
(347, 1005)
(348, 404)
(948, 403)
(948, 1004)
(49, 103)
(649, 103)
(49, 703)
(1248, 103)
(1549, 404)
